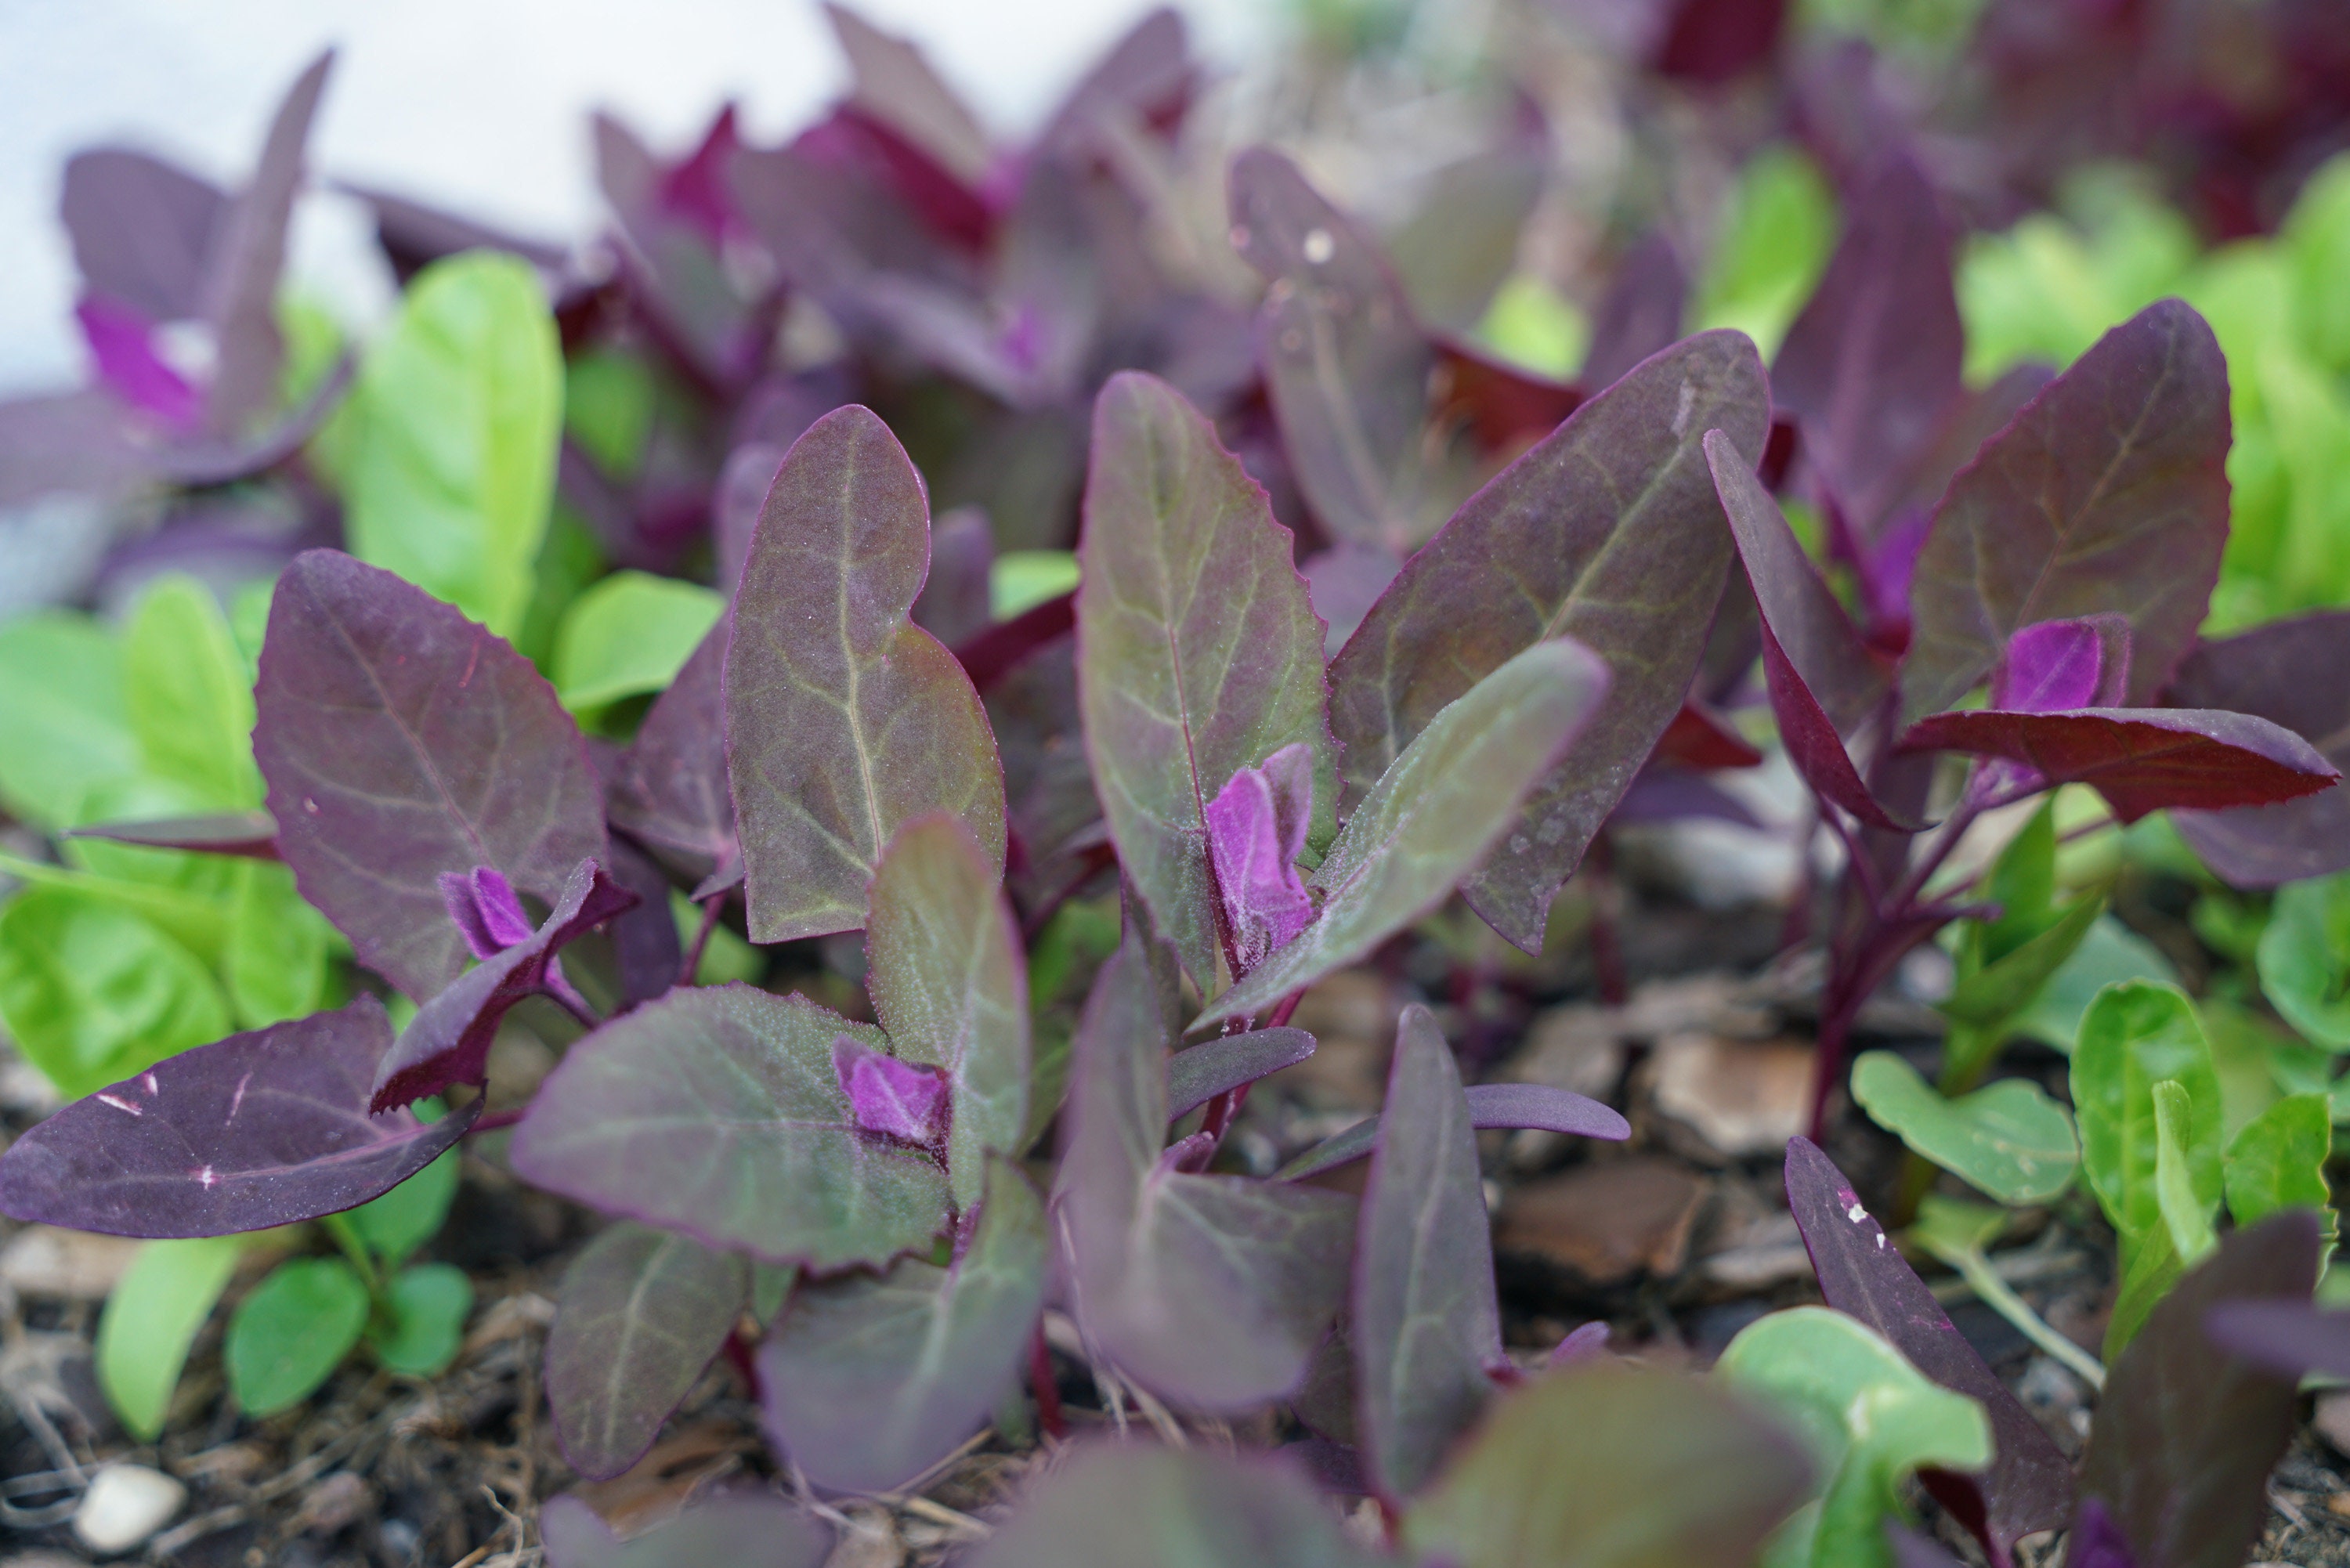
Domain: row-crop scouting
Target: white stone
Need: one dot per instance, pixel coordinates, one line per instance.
(125, 1505)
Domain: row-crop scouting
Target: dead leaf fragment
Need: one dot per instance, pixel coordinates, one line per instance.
(1738, 1097)
(1604, 1222)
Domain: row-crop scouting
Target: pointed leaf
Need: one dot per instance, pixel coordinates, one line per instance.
(892, 82)
(141, 229)
(742, 1530)
(1592, 1465)
(2289, 1337)
(2186, 1433)
(400, 740)
(151, 1318)
(1608, 532)
(730, 1094)
(2029, 1485)
(2265, 672)
(844, 718)
(1426, 1325)
(1199, 1073)
(950, 984)
(251, 833)
(1432, 815)
(242, 270)
(2140, 759)
(1156, 1508)
(252, 1131)
(2107, 494)
(2137, 1035)
(1199, 653)
(1490, 1105)
(2184, 1212)
(870, 1380)
(669, 789)
(642, 1312)
(2011, 1141)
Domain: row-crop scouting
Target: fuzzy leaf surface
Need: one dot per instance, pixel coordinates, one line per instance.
(669, 789)
(1490, 1105)
(717, 1111)
(400, 740)
(844, 718)
(1198, 1073)
(1199, 653)
(2265, 672)
(1608, 530)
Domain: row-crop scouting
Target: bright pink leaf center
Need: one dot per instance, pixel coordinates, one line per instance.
(1256, 830)
(483, 903)
(2058, 665)
(890, 1097)
(123, 343)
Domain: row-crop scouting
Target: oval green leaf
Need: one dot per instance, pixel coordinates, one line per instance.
(288, 1336)
(151, 1318)
(2010, 1140)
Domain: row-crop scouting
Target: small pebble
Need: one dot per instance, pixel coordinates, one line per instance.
(124, 1506)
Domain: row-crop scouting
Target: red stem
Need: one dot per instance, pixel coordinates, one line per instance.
(1047, 1389)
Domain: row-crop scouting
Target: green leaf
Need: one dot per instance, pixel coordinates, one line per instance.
(948, 985)
(288, 1336)
(1780, 228)
(608, 406)
(457, 415)
(1199, 652)
(2151, 1266)
(2304, 959)
(1432, 817)
(1987, 996)
(2278, 1161)
(189, 699)
(185, 897)
(2315, 240)
(1613, 1465)
(2023, 883)
(274, 960)
(628, 635)
(1022, 579)
(2138, 1036)
(2110, 952)
(65, 728)
(411, 1213)
(2185, 1212)
(1871, 1420)
(424, 1322)
(151, 1317)
(2011, 1141)
(92, 993)
(2246, 1051)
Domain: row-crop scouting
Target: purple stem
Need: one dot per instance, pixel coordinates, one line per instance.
(711, 907)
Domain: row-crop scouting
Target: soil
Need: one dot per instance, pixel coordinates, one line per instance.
(1676, 1240)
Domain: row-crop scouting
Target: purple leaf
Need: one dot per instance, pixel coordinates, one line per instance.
(2139, 759)
(2096, 1541)
(122, 343)
(1198, 651)
(250, 833)
(74, 442)
(1870, 367)
(1144, 78)
(742, 1529)
(844, 718)
(1824, 683)
(1426, 1325)
(2108, 493)
(448, 1040)
(950, 984)
(2186, 1433)
(413, 234)
(400, 740)
(645, 945)
(735, 503)
(1256, 830)
(892, 83)
(953, 606)
(888, 1097)
(1198, 1073)
(483, 903)
(1346, 367)
(2266, 672)
(1490, 1105)
(642, 1312)
(1911, 1550)
(2054, 665)
(1608, 532)
(870, 1380)
(717, 1111)
(142, 230)
(2029, 1486)
(1211, 1290)
(240, 297)
(1344, 582)
(255, 1130)
(668, 792)
(1641, 314)
(1142, 1507)
(1587, 1342)
(2290, 1338)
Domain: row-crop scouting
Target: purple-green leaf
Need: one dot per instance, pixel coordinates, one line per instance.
(1199, 653)
(1199, 1074)
(2290, 1336)
(2266, 672)
(1156, 1507)
(250, 833)
(844, 718)
(950, 984)
(400, 740)
(2108, 493)
(240, 296)
(642, 1312)
(2029, 1486)
(1490, 1105)
(742, 1529)
(1427, 1327)
(669, 789)
(718, 1111)
(2140, 759)
(141, 229)
(255, 1130)
(1454, 794)
(868, 1380)
(1599, 1465)
(1212, 1290)
(1256, 831)
(2186, 1433)
(1608, 531)
(448, 1040)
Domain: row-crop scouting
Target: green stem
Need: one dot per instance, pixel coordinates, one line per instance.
(1994, 1292)
(346, 1236)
